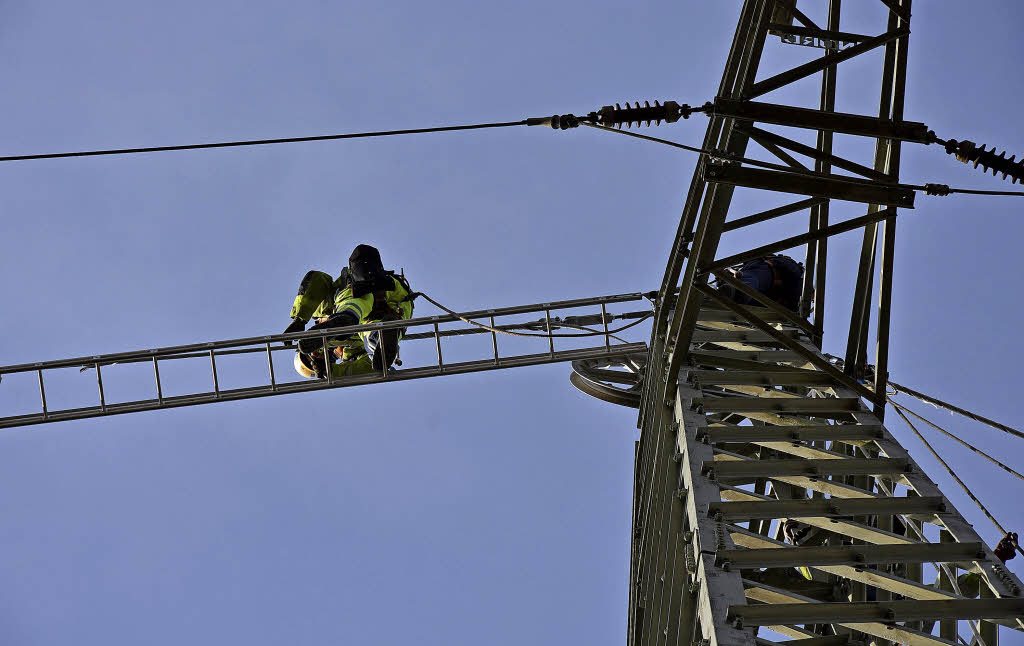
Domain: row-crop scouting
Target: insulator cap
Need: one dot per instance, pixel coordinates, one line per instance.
(616, 116)
(969, 152)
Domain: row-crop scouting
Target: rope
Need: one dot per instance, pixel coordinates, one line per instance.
(952, 474)
(588, 329)
(954, 437)
(547, 335)
(258, 142)
(956, 409)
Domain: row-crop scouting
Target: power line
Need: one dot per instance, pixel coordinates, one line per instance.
(968, 445)
(930, 189)
(571, 122)
(955, 409)
(953, 474)
(259, 142)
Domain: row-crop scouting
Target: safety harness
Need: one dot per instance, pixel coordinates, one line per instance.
(382, 310)
(777, 283)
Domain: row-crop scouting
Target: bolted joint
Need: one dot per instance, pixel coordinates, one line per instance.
(556, 122)
(691, 559)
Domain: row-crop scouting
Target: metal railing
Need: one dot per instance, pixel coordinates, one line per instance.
(496, 322)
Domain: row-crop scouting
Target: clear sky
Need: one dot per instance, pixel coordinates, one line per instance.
(492, 508)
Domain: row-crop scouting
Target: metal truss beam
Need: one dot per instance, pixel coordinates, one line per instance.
(833, 186)
(770, 214)
(891, 611)
(824, 120)
(859, 555)
(819, 507)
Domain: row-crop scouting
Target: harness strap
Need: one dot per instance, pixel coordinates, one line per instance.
(382, 309)
(777, 282)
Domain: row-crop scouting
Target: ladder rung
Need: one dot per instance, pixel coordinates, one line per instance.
(727, 360)
(763, 378)
(797, 405)
(799, 450)
(756, 591)
(832, 432)
(824, 508)
(798, 467)
(728, 316)
(736, 336)
(853, 555)
(710, 356)
(874, 611)
(876, 578)
(829, 640)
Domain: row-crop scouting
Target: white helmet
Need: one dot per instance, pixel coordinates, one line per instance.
(304, 366)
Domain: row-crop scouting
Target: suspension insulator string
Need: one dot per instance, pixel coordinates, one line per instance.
(969, 152)
(617, 116)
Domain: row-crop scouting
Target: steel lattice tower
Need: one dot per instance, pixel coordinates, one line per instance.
(748, 428)
(768, 492)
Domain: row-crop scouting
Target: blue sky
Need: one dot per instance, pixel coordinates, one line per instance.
(493, 507)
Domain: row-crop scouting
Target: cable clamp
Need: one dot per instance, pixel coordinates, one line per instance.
(557, 122)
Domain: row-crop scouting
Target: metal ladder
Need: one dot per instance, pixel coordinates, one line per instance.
(217, 356)
(756, 436)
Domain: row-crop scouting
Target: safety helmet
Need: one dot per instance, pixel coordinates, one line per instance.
(304, 366)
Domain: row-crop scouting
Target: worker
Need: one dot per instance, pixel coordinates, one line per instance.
(778, 277)
(364, 293)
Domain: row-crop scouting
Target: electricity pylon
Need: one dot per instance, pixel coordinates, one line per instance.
(768, 492)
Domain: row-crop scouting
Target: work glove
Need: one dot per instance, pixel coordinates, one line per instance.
(1007, 548)
(334, 320)
(297, 325)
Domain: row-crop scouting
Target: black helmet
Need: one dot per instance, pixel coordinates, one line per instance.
(366, 270)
